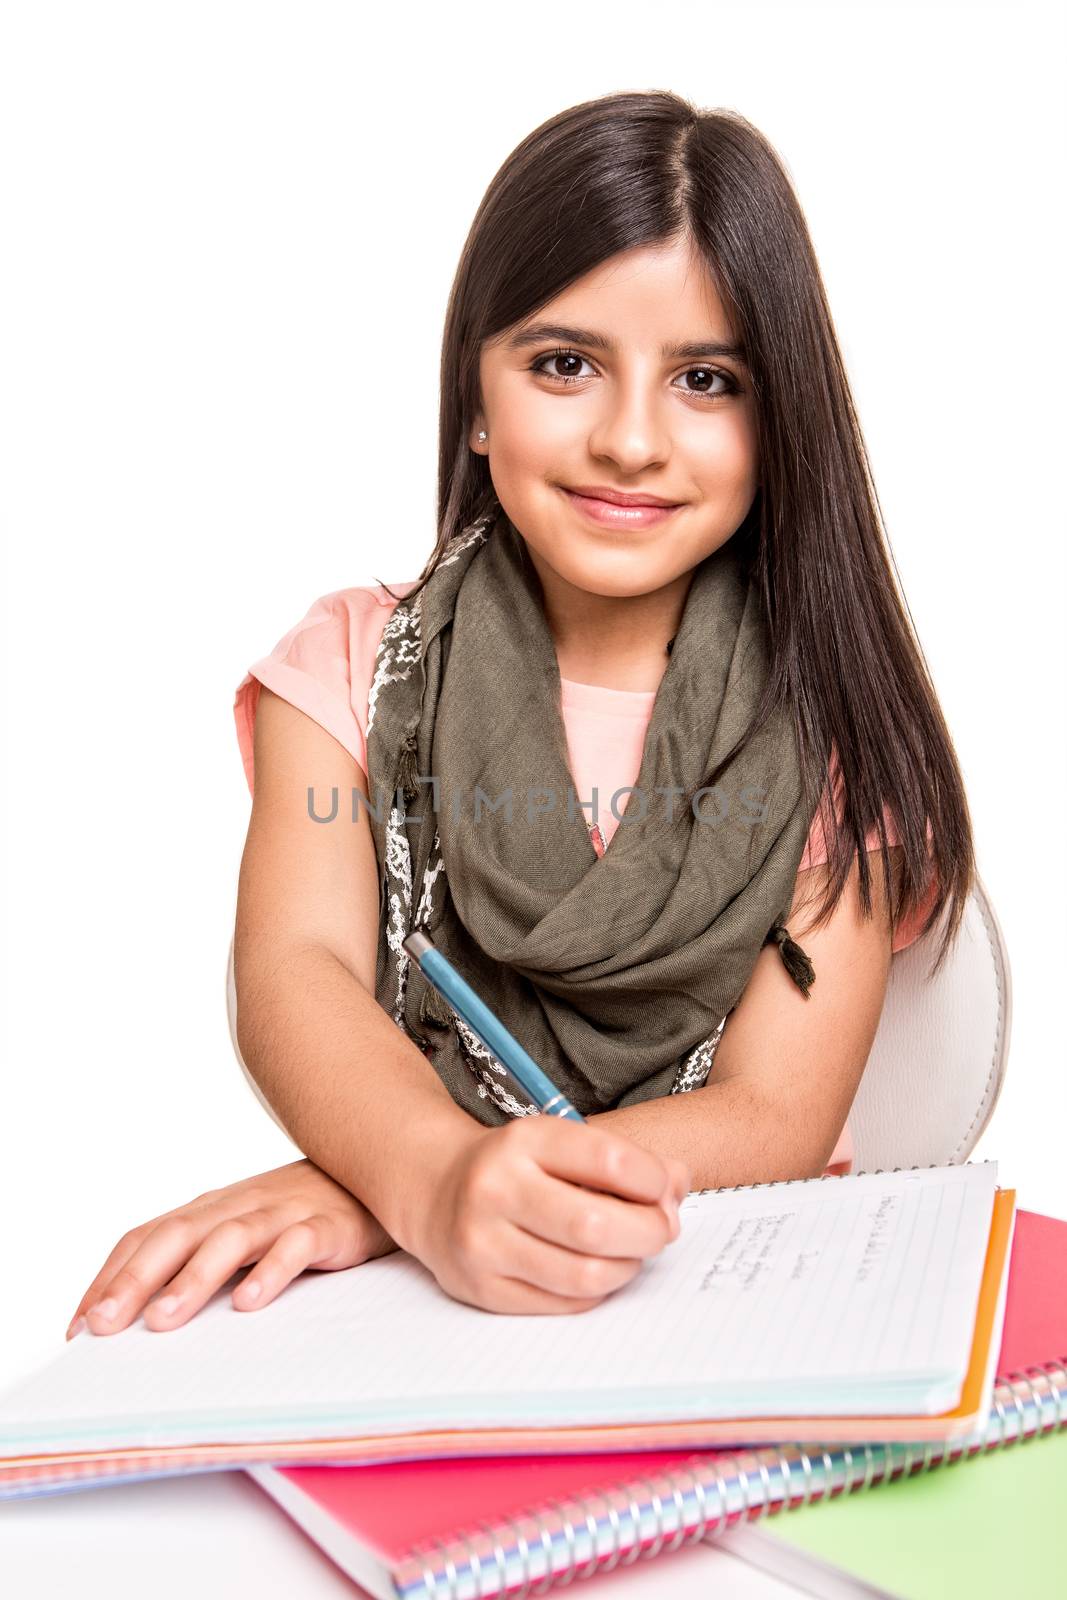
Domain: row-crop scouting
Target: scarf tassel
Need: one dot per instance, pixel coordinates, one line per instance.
(408, 771)
(434, 1008)
(796, 963)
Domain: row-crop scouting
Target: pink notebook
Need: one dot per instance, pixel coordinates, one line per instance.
(424, 1530)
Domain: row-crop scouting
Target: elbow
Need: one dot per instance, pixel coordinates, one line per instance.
(817, 1165)
(797, 1138)
(820, 1147)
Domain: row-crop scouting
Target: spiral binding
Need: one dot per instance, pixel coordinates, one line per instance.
(830, 1177)
(658, 1514)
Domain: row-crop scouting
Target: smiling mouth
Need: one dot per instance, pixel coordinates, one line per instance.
(608, 513)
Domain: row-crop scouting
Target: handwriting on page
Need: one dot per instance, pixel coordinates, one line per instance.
(749, 1254)
(879, 1237)
(748, 1251)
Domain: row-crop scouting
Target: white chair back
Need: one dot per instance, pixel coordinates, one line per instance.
(938, 1060)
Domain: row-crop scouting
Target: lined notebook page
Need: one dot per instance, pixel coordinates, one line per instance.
(838, 1296)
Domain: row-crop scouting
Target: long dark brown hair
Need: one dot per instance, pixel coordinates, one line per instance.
(634, 169)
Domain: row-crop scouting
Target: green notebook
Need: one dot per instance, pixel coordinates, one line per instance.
(992, 1526)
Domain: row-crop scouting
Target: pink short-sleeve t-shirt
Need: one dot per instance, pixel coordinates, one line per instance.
(324, 666)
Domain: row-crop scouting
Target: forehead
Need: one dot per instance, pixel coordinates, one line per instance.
(660, 298)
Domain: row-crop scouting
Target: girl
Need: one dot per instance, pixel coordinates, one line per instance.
(660, 616)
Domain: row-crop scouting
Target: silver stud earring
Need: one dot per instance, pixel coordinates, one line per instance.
(483, 434)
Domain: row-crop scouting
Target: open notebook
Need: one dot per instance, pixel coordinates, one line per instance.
(869, 1306)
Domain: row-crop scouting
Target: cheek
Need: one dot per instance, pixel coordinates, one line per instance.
(534, 433)
(721, 450)
(527, 452)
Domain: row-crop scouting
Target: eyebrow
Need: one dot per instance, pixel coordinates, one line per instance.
(538, 332)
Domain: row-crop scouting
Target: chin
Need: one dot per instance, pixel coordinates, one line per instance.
(613, 574)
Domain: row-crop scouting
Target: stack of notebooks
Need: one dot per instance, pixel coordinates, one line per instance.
(435, 1450)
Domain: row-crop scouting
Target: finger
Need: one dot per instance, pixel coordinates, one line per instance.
(308, 1243)
(566, 1273)
(231, 1244)
(587, 1221)
(154, 1262)
(508, 1296)
(581, 1153)
(130, 1275)
(679, 1181)
(122, 1252)
(120, 1256)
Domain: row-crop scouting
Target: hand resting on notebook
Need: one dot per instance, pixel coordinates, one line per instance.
(282, 1222)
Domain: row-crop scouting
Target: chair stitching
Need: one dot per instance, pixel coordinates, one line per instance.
(995, 952)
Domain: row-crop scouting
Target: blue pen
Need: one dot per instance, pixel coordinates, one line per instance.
(439, 971)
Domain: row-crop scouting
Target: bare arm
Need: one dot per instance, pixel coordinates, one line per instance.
(356, 1094)
(787, 1068)
(538, 1215)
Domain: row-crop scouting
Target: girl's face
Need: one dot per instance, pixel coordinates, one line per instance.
(628, 380)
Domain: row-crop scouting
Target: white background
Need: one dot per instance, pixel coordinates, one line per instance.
(230, 232)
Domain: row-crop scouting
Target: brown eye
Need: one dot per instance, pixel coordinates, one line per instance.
(561, 359)
(707, 376)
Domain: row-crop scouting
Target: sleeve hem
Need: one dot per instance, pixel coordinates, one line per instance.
(303, 692)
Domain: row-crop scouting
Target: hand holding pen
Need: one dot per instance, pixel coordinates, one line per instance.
(548, 1213)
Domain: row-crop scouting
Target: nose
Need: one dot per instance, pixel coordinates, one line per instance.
(630, 429)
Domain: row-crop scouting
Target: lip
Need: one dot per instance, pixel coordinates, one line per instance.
(616, 497)
(638, 513)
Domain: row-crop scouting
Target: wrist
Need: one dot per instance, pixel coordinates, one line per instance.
(437, 1139)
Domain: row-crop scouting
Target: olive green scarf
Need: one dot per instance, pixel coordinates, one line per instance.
(615, 972)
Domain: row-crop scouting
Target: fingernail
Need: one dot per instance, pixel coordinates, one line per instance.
(106, 1311)
(251, 1291)
(168, 1305)
(76, 1327)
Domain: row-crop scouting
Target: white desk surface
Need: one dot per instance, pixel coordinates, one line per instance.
(218, 1534)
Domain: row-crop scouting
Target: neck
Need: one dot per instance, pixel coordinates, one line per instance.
(609, 641)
